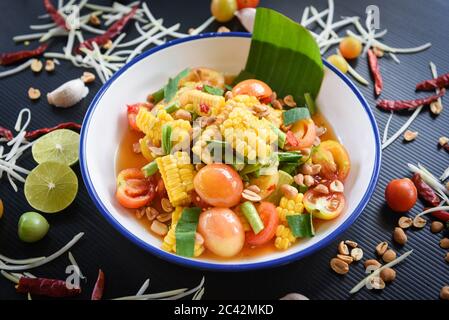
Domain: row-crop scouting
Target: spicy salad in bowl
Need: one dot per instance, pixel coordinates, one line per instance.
(227, 169)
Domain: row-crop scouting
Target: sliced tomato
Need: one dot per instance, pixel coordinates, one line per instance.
(133, 189)
(269, 216)
(324, 206)
(305, 133)
(133, 110)
(160, 188)
(340, 156)
(253, 87)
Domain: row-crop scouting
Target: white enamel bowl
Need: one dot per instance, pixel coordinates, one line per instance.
(105, 124)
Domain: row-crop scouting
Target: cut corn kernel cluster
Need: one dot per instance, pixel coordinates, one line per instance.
(200, 147)
(248, 135)
(177, 173)
(284, 237)
(290, 207)
(151, 125)
(176, 215)
(169, 242)
(203, 103)
(181, 132)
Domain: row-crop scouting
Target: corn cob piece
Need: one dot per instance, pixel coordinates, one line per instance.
(177, 173)
(203, 103)
(284, 237)
(248, 135)
(290, 207)
(200, 147)
(169, 242)
(151, 125)
(181, 133)
(176, 215)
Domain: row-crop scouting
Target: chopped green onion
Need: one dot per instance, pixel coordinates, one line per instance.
(310, 103)
(166, 138)
(292, 156)
(213, 90)
(228, 87)
(293, 115)
(158, 95)
(282, 137)
(289, 167)
(217, 144)
(301, 225)
(251, 214)
(172, 86)
(185, 231)
(302, 189)
(172, 107)
(150, 169)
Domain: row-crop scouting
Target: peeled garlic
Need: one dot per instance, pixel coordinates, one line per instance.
(69, 94)
(246, 17)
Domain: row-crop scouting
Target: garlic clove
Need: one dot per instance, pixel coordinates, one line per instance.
(68, 94)
(246, 17)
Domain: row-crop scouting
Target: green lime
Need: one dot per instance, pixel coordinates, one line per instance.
(51, 187)
(58, 146)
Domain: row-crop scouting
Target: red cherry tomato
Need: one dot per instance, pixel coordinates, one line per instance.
(253, 87)
(219, 185)
(269, 216)
(305, 133)
(133, 189)
(401, 194)
(247, 4)
(324, 206)
(133, 110)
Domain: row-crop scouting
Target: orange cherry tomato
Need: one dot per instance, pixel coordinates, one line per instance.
(133, 189)
(241, 4)
(350, 47)
(222, 231)
(269, 216)
(324, 206)
(133, 110)
(219, 185)
(401, 194)
(305, 133)
(253, 87)
(340, 156)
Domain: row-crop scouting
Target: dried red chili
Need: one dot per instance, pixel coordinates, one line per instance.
(440, 215)
(425, 192)
(432, 84)
(30, 135)
(396, 105)
(46, 287)
(111, 33)
(12, 57)
(375, 72)
(97, 292)
(5, 133)
(55, 15)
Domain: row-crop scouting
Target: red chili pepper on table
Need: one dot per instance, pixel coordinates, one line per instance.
(375, 72)
(55, 15)
(425, 192)
(432, 84)
(46, 287)
(111, 33)
(440, 215)
(12, 57)
(396, 105)
(97, 292)
(30, 135)
(6, 133)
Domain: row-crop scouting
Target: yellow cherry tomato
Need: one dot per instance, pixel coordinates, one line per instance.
(223, 10)
(350, 47)
(338, 62)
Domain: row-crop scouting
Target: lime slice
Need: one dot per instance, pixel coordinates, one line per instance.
(58, 146)
(284, 178)
(51, 187)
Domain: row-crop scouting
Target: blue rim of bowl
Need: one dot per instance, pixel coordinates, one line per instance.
(217, 266)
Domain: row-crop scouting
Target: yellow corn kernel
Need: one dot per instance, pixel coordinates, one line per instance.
(144, 148)
(200, 147)
(151, 125)
(177, 173)
(176, 215)
(284, 237)
(181, 130)
(290, 207)
(169, 242)
(199, 99)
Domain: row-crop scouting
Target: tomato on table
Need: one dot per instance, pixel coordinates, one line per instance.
(269, 216)
(305, 133)
(350, 47)
(219, 185)
(253, 87)
(324, 206)
(401, 194)
(223, 10)
(241, 4)
(133, 110)
(133, 189)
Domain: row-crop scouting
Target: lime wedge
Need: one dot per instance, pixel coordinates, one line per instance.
(51, 187)
(58, 146)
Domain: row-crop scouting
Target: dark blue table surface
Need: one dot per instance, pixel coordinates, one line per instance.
(126, 266)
